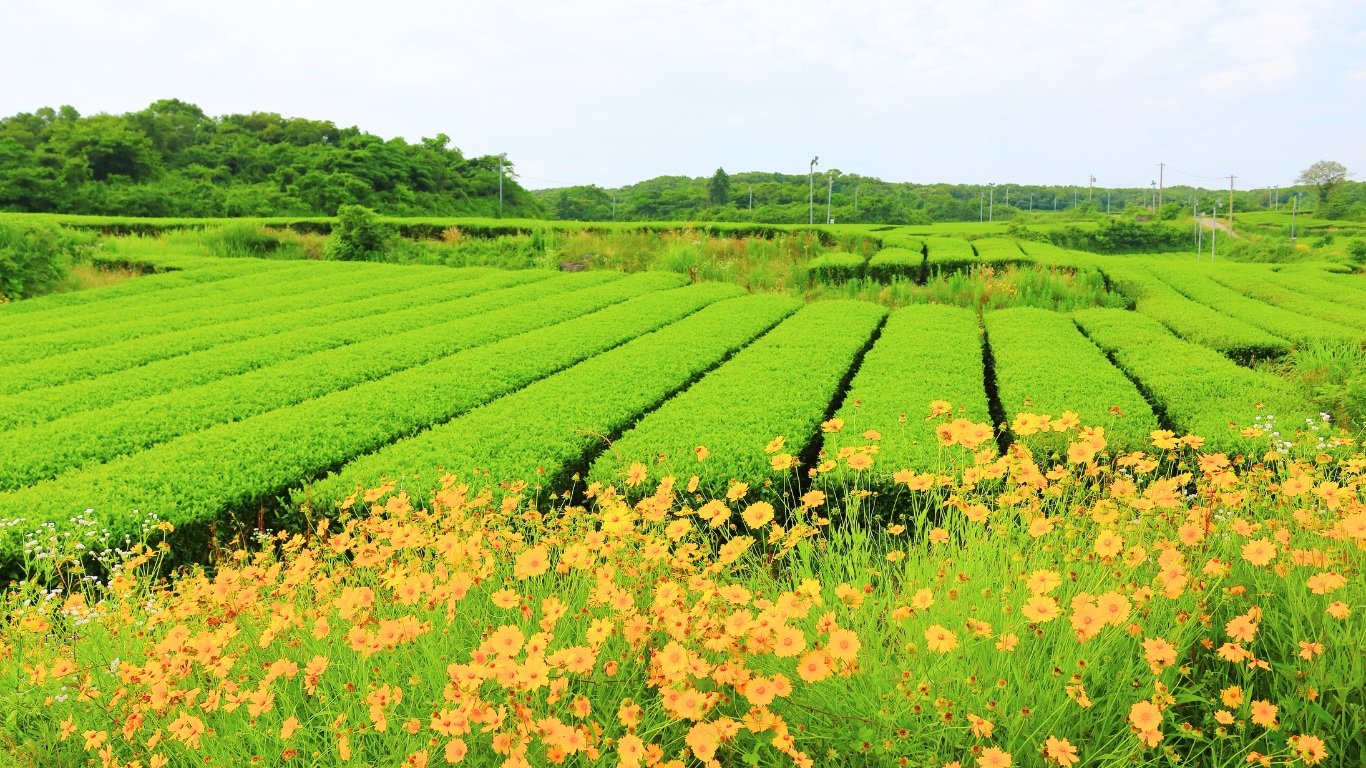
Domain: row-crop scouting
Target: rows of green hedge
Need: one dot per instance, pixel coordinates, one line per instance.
(999, 251)
(949, 254)
(1195, 389)
(44, 451)
(108, 358)
(260, 283)
(551, 425)
(1044, 365)
(1272, 288)
(1195, 284)
(195, 478)
(1322, 284)
(1191, 320)
(278, 304)
(897, 263)
(925, 353)
(782, 385)
(351, 323)
(836, 267)
(128, 289)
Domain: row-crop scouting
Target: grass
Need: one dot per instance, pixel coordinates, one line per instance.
(1163, 607)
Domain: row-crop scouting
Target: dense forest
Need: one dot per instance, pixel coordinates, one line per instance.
(173, 160)
(777, 198)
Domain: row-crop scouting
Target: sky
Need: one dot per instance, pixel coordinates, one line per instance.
(610, 93)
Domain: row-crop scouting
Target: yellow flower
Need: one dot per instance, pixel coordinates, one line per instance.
(1259, 552)
(1042, 582)
(939, 639)
(636, 474)
(1040, 609)
(1060, 751)
(775, 445)
(1232, 696)
(782, 462)
(922, 599)
(758, 514)
(737, 491)
(1264, 714)
(995, 757)
(532, 562)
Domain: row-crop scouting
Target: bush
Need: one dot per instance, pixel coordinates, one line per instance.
(1356, 253)
(34, 259)
(358, 235)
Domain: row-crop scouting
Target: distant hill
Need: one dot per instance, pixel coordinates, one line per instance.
(173, 160)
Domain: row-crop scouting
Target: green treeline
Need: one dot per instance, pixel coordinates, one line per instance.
(173, 160)
(777, 198)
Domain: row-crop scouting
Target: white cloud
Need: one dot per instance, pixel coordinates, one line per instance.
(612, 91)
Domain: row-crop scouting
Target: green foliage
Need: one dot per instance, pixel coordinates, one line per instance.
(1267, 286)
(359, 235)
(780, 386)
(1195, 283)
(924, 353)
(34, 258)
(718, 188)
(1334, 376)
(587, 203)
(948, 254)
(548, 428)
(1194, 389)
(1044, 365)
(1191, 320)
(173, 160)
(43, 451)
(1124, 235)
(193, 479)
(1356, 251)
(999, 251)
(836, 267)
(897, 262)
(309, 332)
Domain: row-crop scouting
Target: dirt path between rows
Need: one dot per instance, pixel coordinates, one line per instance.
(1223, 227)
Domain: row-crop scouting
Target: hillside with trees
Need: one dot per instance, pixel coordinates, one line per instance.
(171, 159)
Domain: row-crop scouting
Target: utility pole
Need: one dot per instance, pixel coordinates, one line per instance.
(991, 206)
(1195, 217)
(981, 206)
(1107, 202)
(1199, 237)
(829, 191)
(614, 206)
(501, 158)
(1294, 211)
(751, 201)
(1090, 186)
(811, 192)
(1213, 229)
(1152, 205)
(1031, 202)
(1230, 205)
(855, 201)
(1161, 167)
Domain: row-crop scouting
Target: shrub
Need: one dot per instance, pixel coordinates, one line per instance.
(34, 259)
(835, 268)
(358, 235)
(891, 263)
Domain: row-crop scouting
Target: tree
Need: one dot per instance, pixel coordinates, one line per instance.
(358, 236)
(1325, 175)
(718, 187)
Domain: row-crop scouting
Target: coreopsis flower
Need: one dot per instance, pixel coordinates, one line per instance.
(994, 757)
(1232, 696)
(758, 514)
(1308, 748)
(1042, 582)
(940, 639)
(737, 491)
(1259, 552)
(1060, 751)
(860, 461)
(289, 727)
(456, 750)
(1309, 650)
(1041, 609)
(1264, 713)
(532, 562)
(922, 599)
(1338, 610)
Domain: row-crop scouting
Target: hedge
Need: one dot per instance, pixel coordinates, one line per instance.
(948, 254)
(260, 305)
(838, 267)
(548, 428)
(1000, 251)
(1273, 289)
(348, 323)
(128, 289)
(261, 283)
(193, 479)
(926, 352)
(38, 453)
(782, 385)
(1044, 365)
(1323, 284)
(896, 263)
(1191, 282)
(1195, 389)
(1193, 321)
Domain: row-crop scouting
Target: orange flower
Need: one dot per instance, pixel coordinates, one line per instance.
(1040, 609)
(1309, 650)
(844, 644)
(994, 757)
(1310, 749)
(289, 728)
(1232, 696)
(636, 474)
(532, 562)
(758, 514)
(1339, 610)
(1264, 713)
(1259, 552)
(814, 667)
(1042, 582)
(631, 750)
(1145, 716)
(456, 751)
(788, 641)
(1060, 751)
(1109, 544)
(860, 461)
(737, 491)
(939, 639)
